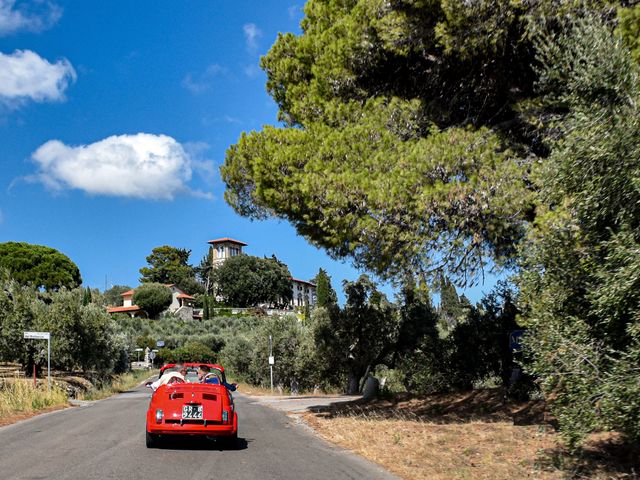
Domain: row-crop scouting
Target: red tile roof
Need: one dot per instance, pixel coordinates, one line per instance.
(303, 281)
(128, 292)
(227, 239)
(132, 308)
(184, 295)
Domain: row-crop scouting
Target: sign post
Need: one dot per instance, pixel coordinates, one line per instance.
(152, 356)
(271, 361)
(43, 336)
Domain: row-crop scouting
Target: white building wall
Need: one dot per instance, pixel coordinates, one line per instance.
(303, 294)
(175, 303)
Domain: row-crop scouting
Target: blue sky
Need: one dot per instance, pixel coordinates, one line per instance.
(114, 120)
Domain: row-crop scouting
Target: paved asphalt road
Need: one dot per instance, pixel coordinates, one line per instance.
(105, 440)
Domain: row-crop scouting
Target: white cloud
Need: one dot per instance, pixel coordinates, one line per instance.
(294, 11)
(200, 83)
(140, 166)
(251, 71)
(26, 75)
(32, 16)
(251, 35)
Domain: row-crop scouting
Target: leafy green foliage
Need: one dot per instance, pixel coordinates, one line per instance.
(406, 146)
(190, 352)
(170, 265)
(629, 29)
(452, 309)
(475, 349)
(292, 348)
(113, 296)
(579, 277)
(83, 335)
(359, 336)
(247, 281)
(204, 270)
(206, 311)
(39, 266)
(153, 298)
(325, 294)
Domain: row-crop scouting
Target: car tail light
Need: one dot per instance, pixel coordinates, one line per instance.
(225, 416)
(159, 415)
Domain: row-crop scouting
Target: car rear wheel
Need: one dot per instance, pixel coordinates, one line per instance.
(232, 441)
(152, 440)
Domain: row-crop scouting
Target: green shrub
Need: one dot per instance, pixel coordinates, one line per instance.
(190, 352)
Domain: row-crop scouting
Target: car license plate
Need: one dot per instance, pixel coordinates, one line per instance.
(190, 412)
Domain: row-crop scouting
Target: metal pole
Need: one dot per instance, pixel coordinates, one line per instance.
(271, 366)
(49, 362)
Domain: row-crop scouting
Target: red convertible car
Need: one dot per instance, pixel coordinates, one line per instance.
(188, 407)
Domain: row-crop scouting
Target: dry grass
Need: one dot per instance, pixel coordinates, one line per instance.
(469, 436)
(19, 396)
(266, 391)
(421, 451)
(257, 391)
(118, 384)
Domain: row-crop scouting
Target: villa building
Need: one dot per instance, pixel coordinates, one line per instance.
(181, 304)
(304, 292)
(224, 248)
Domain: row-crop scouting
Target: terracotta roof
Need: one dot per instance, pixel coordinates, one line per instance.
(303, 281)
(184, 295)
(132, 308)
(132, 291)
(227, 239)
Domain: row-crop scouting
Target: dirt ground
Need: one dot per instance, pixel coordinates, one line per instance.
(474, 435)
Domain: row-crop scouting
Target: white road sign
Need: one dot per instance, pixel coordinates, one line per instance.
(272, 360)
(152, 355)
(37, 335)
(43, 336)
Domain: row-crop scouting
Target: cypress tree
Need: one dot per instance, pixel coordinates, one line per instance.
(325, 294)
(206, 313)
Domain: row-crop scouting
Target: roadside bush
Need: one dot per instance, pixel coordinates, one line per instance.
(83, 335)
(293, 349)
(476, 348)
(428, 368)
(190, 352)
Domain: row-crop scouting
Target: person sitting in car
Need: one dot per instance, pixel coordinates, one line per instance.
(205, 376)
(173, 376)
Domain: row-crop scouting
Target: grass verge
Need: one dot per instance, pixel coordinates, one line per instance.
(474, 435)
(19, 396)
(259, 391)
(118, 384)
(421, 450)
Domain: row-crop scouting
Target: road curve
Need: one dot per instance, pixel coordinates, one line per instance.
(105, 440)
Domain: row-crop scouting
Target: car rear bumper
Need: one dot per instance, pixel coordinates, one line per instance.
(191, 429)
